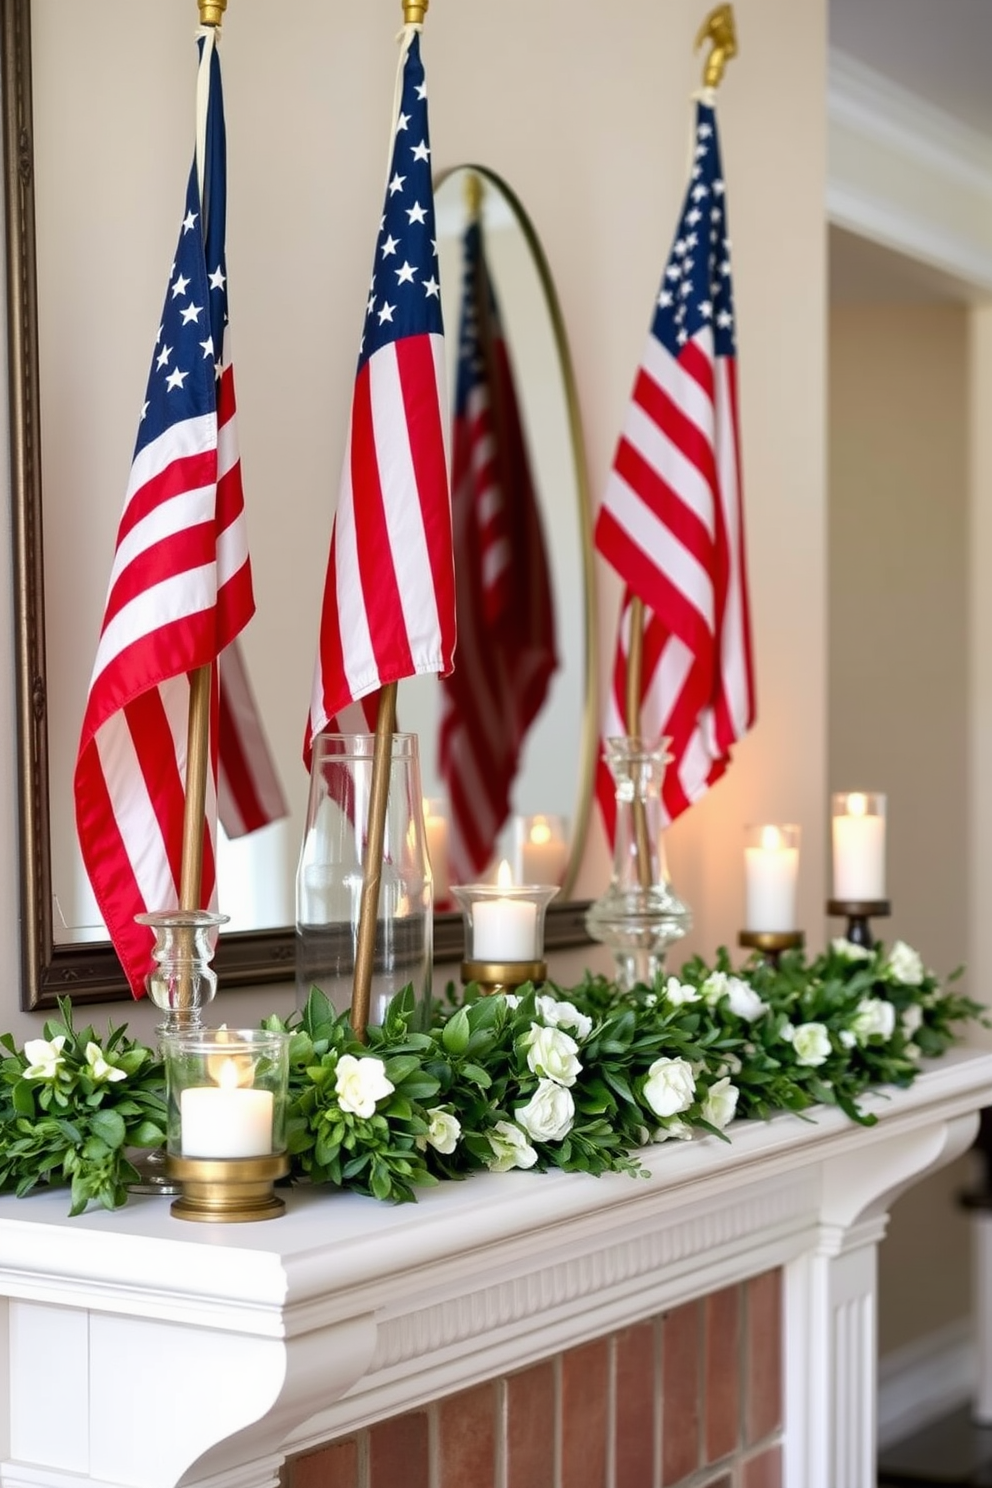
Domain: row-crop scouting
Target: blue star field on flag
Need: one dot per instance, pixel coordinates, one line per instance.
(187, 358)
(405, 295)
(696, 286)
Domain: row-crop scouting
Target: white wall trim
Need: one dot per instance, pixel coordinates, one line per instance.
(925, 1380)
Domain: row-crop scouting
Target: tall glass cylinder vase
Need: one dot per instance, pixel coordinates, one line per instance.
(332, 867)
(640, 915)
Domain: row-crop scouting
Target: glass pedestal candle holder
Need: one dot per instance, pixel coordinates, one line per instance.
(504, 932)
(640, 915)
(331, 873)
(226, 1095)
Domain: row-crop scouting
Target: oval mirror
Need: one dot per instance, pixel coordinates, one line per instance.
(71, 436)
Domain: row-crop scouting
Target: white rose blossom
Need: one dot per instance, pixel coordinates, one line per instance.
(677, 992)
(558, 1013)
(549, 1114)
(443, 1131)
(787, 1032)
(874, 1018)
(511, 1148)
(911, 1019)
(720, 1104)
(675, 1130)
(553, 1054)
(714, 987)
(905, 965)
(360, 1083)
(811, 1042)
(848, 950)
(743, 1000)
(670, 1086)
(847, 1038)
(511, 999)
(44, 1058)
(99, 1068)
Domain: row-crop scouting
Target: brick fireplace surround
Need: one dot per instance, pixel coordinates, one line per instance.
(713, 1324)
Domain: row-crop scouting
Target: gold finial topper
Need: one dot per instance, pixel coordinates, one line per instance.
(473, 195)
(718, 28)
(414, 12)
(211, 11)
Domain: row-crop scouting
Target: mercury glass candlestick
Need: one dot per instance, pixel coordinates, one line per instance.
(504, 931)
(640, 915)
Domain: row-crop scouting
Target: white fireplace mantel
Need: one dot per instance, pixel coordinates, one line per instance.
(148, 1351)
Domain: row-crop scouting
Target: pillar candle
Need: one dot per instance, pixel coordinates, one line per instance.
(770, 872)
(436, 829)
(859, 851)
(225, 1123)
(504, 930)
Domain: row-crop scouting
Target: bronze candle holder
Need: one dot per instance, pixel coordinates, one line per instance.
(494, 977)
(771, 943)
(858, 912)
(228, 1190)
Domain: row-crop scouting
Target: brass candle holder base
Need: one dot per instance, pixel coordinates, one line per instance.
(858, 912)
(494, 977)
(228, 1190)
(771, 943)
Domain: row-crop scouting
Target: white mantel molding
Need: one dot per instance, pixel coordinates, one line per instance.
(147, 1351)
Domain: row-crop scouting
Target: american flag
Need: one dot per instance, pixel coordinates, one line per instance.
(506, 633)
(389, 595)
(671, 522)
(180, 589)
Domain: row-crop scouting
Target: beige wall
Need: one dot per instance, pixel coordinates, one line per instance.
(898, 691)
(587, 114)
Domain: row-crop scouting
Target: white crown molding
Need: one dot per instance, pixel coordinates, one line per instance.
(905, 174)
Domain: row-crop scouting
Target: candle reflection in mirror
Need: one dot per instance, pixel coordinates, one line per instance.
(540, 848)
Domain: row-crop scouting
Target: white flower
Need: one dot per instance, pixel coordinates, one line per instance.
(99, 1068)
(558, 1013)
(730, 1065)
(847, 1038)
(676, 1130)
(677, 992)
(905, 965)
(714, 987)
(744, 1001)
(45, 1058)
(552, 1053)
(787, 1032)
(912, 1051)
(911, 1019)
(511, 1148)
(548, 1115)
(848, 951)
(443, 1131)
(720, 1104)
(811, 1042)
(669, 1087)
(874, 1018)
(360, 1083)
(511, 999)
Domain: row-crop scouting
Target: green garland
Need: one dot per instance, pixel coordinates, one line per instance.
(581, 1080)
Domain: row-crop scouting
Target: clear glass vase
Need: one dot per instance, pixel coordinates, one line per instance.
(331, 870)
(640, 915)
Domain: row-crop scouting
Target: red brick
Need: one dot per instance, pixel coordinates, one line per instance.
(467, 1439)
(722, 1373)
(636, 1392)
(398, 1452)
(333, 1466)
(765, 1470)
(530, 1427)
(585, 1383)
(763, 1354)
(680, 1382)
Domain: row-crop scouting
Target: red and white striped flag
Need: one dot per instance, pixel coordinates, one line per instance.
(506, 629)
(389, 595)
(249, 793)
(180, 588)
(672, 522)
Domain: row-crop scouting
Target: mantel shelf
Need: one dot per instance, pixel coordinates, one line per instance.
(344, 1311)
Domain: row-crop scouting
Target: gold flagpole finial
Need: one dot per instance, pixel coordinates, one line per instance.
(473, 195)
(414, 12)
(719, 29)
(211, 11)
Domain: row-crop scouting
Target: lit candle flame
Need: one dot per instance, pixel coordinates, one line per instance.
(540, 830)
(504, 875)
(771, 839)
(857, 803)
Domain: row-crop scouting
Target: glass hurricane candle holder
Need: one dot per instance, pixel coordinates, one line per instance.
(226, 1098)
(504, 931)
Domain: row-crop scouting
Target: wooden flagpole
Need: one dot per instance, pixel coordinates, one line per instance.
(382, 757)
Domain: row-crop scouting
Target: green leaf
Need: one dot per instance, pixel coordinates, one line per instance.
(109, 1127)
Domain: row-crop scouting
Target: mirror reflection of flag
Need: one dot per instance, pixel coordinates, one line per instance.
(506, 653)
(672, 519)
